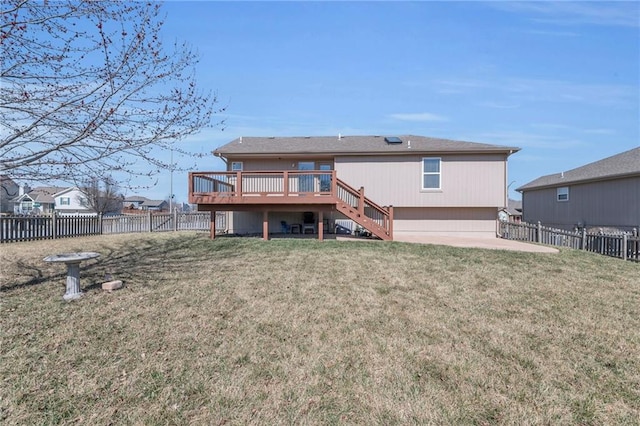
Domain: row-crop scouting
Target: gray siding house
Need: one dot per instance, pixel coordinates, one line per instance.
(605, 193)
(404, 184)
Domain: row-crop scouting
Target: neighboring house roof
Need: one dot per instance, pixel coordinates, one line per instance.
(65, 190)
(514, 207)
(42, 194)
(153, 203)
(6, 180)
(135, 199)
(624, 164)
(352, 145)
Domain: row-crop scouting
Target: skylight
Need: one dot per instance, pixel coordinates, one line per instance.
(392, 139)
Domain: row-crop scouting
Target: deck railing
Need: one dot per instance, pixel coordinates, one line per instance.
(289, 187)
(260, 183)
(357, 200)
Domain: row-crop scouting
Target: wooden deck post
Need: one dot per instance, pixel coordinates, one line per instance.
(238, 184)
(285, 183)
(320, 226)
(265, 225)
(361, 201)
(212, 225)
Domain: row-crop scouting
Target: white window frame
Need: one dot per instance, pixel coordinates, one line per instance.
(237, 166)
(65, 201)
(438, 173)
(562, 194)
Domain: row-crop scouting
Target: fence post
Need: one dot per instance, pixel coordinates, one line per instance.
(150, 217)
(99, 223)
(539, 235)
(624, 246)
(54, 224)
(175, 220)
(583, 243)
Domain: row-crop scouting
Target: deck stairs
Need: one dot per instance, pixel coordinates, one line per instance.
(353, 204)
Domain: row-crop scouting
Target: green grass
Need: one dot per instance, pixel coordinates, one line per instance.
(237, 331)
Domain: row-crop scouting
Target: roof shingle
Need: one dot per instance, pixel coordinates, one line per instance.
(352, 145)
(624, 164)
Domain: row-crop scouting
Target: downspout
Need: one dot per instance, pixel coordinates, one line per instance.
(217, 154)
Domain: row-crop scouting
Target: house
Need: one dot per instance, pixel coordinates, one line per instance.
(136, 202)
(72, 201)
(380, 185)
(511, 213)
(47, 199)
(155, 205)
(36, 201)
(605, 193)
(8, 191)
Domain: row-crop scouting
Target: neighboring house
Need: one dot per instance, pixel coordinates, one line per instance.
(155, 205)
(386, 185)
(38, 200)
(8, 191)
(46, 199)
(605, 193)
(71, 201)
(512, 213)
(136, 202)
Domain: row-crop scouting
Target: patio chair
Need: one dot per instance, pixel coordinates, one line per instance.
(285, 227)
(308, 222)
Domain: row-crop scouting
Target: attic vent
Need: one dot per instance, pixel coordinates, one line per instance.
(392, 139)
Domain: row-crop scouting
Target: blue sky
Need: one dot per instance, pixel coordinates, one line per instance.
(558, 79)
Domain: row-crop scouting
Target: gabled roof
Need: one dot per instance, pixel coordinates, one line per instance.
(42, 194)
(65, 190)
(352, 145)
(625, 164)
(152, 203)
(135, 199)
(514, 207)
(6, 180)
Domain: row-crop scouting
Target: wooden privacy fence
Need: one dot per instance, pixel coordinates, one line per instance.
(623, 245)
(28, 228)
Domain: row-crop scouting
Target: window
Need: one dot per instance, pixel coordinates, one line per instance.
(563, 193)
(65, 201)
(431, 173)
(236, 166)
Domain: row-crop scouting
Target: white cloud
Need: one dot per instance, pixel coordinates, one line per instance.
(419, 117)
(619, 13)
(513, 91)
(553, 33)
(498, 105)
(530, 140)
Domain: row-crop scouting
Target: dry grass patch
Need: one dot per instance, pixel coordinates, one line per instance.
(299, 331)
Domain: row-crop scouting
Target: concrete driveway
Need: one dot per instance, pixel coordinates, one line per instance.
(485, 243)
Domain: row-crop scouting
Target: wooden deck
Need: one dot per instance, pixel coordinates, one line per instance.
(267, 191)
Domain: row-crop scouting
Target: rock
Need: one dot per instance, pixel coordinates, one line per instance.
(112, 285)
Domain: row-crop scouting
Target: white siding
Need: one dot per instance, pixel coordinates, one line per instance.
(466, 180)
(468, 222)
(74, 197)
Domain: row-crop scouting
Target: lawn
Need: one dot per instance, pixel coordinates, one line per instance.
(239, 330)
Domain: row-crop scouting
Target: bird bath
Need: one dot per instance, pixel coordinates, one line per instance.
(72, 260)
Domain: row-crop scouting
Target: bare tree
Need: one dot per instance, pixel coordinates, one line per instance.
(101, 195)
(89, 86)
